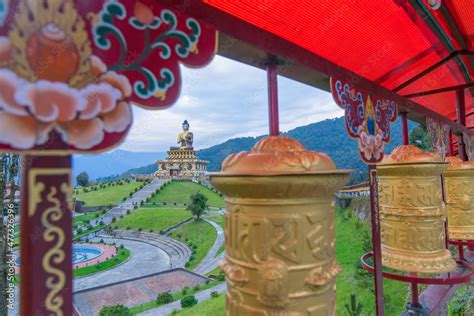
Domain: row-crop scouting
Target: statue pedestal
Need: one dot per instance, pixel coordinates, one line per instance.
(181, 163)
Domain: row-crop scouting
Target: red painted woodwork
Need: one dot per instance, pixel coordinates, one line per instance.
(46, 236)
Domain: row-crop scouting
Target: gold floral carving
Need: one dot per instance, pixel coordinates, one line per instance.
(36, 188)
(35, 16)
(234, 273)
(55, 255)
(273, 287)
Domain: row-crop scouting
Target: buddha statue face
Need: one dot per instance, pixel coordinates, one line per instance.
(185, 126)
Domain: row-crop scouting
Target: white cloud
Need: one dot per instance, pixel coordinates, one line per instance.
(225, 100)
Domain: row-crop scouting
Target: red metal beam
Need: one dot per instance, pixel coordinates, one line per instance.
(428, 70)
(272, 82)
(441, 90)
(277, 46)
(461, 118)
(406, 139)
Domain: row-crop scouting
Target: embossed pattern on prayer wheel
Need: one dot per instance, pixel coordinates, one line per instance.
(459, 180)
(280, 229)
(412, 212)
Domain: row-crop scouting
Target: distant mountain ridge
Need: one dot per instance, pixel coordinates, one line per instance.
(328, 136)
(114, 163)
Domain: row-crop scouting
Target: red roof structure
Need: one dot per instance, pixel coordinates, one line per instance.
(410, 47)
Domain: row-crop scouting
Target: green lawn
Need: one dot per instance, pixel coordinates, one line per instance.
(180, 192)
(81, 219)
(348, 250)
(88, 231)
(157, 219)
(210, 307)
(198, 233)
(122, 255)
(105, 197)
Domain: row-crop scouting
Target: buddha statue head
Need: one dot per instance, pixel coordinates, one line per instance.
(185, 125)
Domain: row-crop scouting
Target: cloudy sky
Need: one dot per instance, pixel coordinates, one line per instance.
(225, 100)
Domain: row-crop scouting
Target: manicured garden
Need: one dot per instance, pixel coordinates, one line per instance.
(155, 219)
(353, 238)
(198, 235)
(180, 192)
(166, 298)
(109, 195)
(122, 255)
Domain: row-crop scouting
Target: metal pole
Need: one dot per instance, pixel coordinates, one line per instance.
(376, 241)
(461, 118)
(272, 82)
(406, 139)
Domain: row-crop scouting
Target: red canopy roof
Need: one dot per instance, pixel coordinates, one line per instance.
(387, 41)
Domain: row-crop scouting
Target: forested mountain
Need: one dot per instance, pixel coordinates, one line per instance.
(327, 136)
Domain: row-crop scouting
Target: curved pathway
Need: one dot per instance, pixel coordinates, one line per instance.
(210, 261)
(144, 259)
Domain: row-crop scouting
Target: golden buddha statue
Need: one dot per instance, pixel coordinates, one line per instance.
(185, 139)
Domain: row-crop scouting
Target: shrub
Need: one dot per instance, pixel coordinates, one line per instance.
(164, 298)
(79, 230)
(188, 301)
(185, 290)
(151, 230)
(135, 207)
(101, 241)
(154, 203)
(128, 212)
(187, 264)
(128, 228)
(121, 246)
(115, 310)
(140, 229)
(114, 219)
(96, 215)
(214, 294)
(196, 288)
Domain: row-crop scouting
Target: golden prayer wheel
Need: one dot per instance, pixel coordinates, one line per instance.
(412, 212)
(459, 180)
(280, 229)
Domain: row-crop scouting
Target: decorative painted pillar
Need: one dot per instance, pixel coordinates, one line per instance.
(459, 180)
(412, 212)
(280, 229)
(70, 72)
(46, 236)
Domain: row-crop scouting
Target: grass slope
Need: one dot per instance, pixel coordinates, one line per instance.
(107, 196)
(348, 251)
(198, 233)
(156, 219)
(180, 192)
(210, 307)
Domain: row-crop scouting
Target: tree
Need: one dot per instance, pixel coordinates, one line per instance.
(420, 138)
(82, 179)
(198, 204)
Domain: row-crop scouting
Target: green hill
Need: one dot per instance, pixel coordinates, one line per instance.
(327, 136)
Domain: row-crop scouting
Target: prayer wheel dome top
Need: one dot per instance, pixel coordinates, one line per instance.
(276, 155)
(408, 154)
(456, 163)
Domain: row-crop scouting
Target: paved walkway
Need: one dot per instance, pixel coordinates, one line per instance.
(136, 291)
(210, 262)
(145, 259)
(169, 308)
